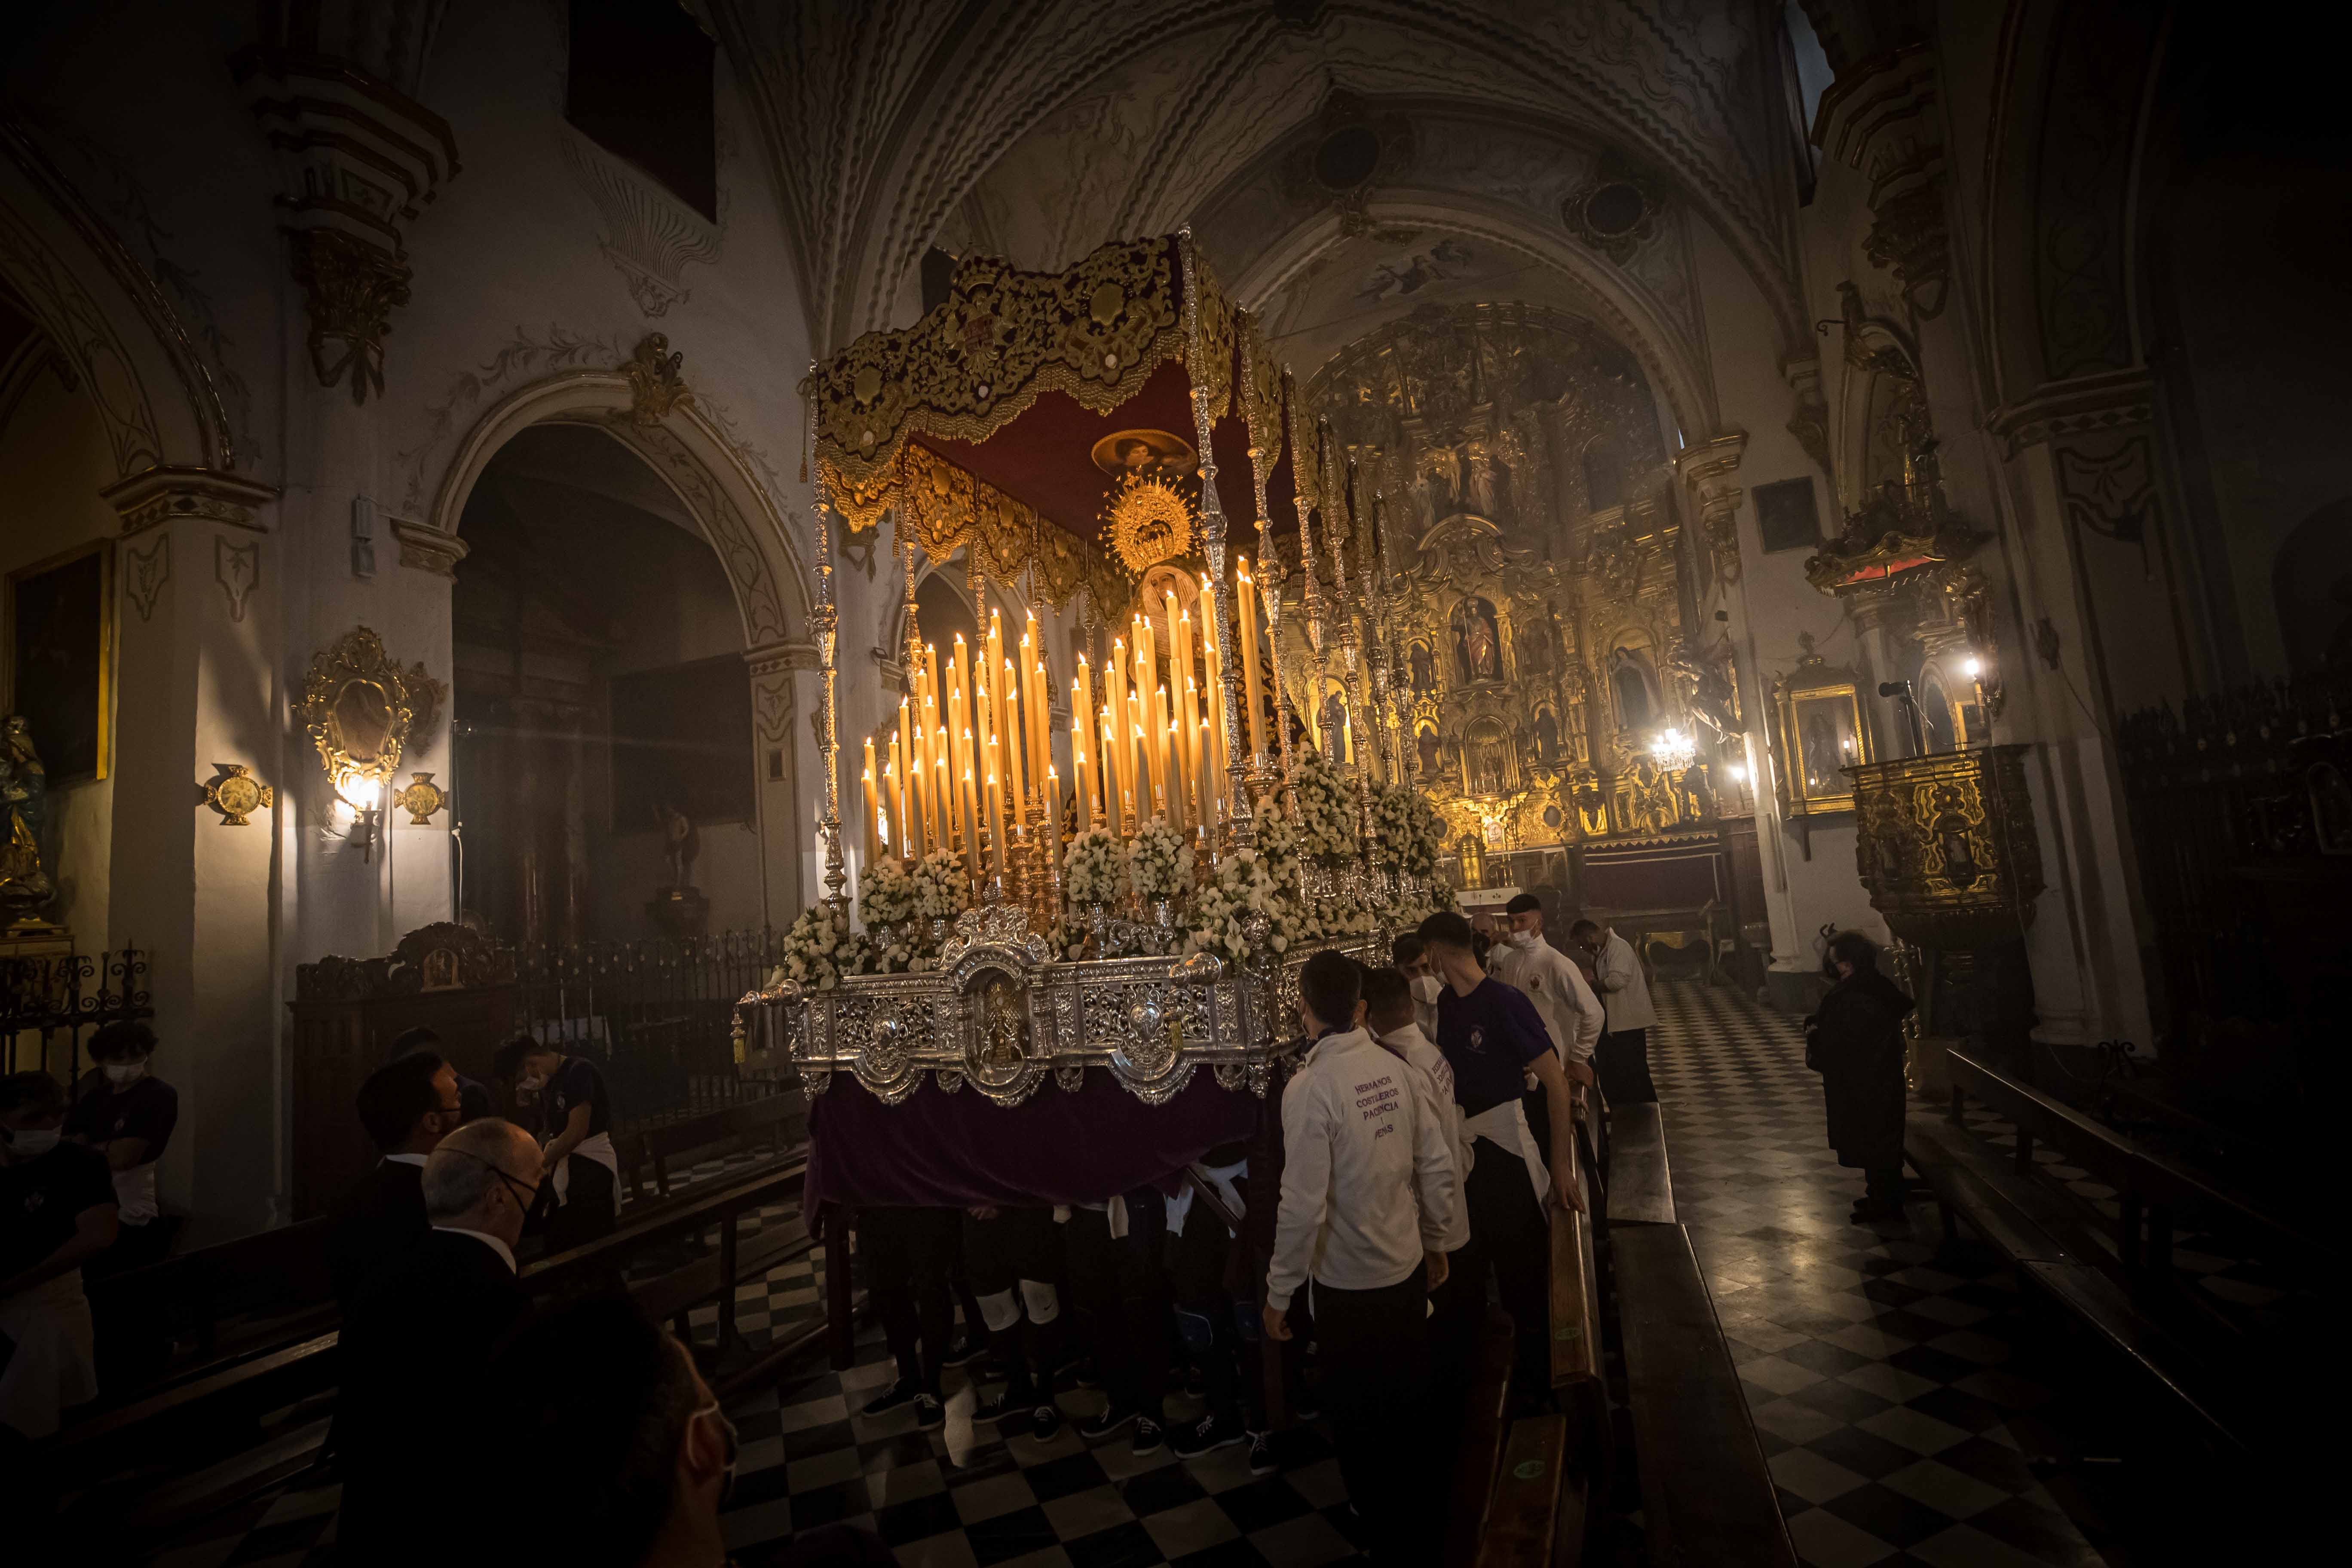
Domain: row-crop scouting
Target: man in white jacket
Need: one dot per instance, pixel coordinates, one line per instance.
(1369, 1196)
(1623, 1059)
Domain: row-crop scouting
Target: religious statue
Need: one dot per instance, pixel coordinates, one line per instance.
(1487, 762)
(1630, 685)
(1477, 645)
(1424, 669)
(1334, 719)
(1547, 736)
(1433, 756)
(1535, 648)
(24, 886)
(1004, 1030)
(681, 842)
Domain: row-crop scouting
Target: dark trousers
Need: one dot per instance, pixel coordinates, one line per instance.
(133, 1328)
(1120, 1288)
(1510, 1238)
(1883, 1186)
(908, 1254)
(1018, 1244)
(591, 1209)
(1621, 1062)
(1219, 1328)
(1373, 1346)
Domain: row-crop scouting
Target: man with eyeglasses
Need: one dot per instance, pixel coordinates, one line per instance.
(421, 1332)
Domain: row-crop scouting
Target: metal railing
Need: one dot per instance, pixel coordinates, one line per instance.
(50, 1006)
(658, 1016)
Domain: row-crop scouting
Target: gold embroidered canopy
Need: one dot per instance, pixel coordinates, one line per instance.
(987, 424)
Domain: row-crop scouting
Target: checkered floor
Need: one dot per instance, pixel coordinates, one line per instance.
(1898, 1391)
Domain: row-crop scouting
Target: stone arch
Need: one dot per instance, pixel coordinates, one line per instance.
(1677, 374)
(108, 318)
(741, 521)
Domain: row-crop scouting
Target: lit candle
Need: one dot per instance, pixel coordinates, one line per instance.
(1115, 733)
(1082, 718)
(1348, 737)
(1054, 815)
(942, 791)
(958, 713)
(1009, 739)
(902, 758)
(1115, 800)
(1213, 665)
(894, 790)
(873, 804)
(1246, 603)
(995, 805)
(970, 825)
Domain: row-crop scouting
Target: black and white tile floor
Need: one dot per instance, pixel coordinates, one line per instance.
(1899, 1395)
(1896, 1389)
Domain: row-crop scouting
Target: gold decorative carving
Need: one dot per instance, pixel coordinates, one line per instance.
(421, 799)
(428, 549)
(351, 288)
(1708, 471)
(364, 709)
(979, 360)
(1150, 522)
(159, 496)
(235, 794)
(945, 509)
(1945, 846)
(655, 387)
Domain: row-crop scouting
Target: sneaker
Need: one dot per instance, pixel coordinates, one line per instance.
(1261, 1454)
(1045, 1422)
(1206, 1436)
(989, 1412)
(1109, 1421)
(1149, 1436)
(1085, 1374)
(1308, 1408)
(890, 1398)
(964, 1354)
(929, 1414)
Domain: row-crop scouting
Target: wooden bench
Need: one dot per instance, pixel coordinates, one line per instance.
(778, 1120)
(1707, 1494)
(1641, 1184)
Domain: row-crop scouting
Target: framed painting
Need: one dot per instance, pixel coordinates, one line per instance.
(61, 659)
(1822, 732)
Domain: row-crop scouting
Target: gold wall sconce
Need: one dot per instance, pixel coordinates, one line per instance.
(362, 710)
(235, 794)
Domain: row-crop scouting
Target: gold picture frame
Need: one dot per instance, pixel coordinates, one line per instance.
(66, 610)
(1817, 709)
(364, 709)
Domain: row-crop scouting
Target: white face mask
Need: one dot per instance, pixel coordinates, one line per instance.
(1523, 940)
(28, 1144)
(531, 1084)
(125, 1072)
(1427, 989)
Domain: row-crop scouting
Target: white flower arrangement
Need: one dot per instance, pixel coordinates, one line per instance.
(1277, 848)
(939, 887)
(1244, 886)
(1094, 870)
(886, 894)
(818, 950)
(1326, 811)
(1407, 832)
(1159, 862)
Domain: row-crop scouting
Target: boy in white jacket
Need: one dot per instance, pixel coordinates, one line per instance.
(1369, 1201)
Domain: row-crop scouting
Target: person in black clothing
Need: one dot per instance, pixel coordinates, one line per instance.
(125, 1112)
(577, 1128)
(420, 1340)
(1217, 1318)
(56, 1213)
(474, 1101)
(1117, 1279)
(1856, 1042)
(407, 1108)
(1015, 1258)
(907, 1253)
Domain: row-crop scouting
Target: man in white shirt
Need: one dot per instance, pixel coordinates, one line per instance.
(1623, 1059)
(1571, 1013)
(1368, 1196)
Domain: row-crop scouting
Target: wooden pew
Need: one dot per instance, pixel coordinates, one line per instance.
(1641, 1184)
(778, 1120)
(1707, 1494)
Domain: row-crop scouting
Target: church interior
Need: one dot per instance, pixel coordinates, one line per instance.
(886, 582)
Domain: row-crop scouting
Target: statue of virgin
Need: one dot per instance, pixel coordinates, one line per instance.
(25, 886)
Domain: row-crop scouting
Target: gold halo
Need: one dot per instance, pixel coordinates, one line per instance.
(1149, 521)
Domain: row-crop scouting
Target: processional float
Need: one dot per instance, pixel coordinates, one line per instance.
(1115, 912)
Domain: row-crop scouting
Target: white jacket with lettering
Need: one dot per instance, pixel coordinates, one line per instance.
(1413, 1045)
(1368, 1178)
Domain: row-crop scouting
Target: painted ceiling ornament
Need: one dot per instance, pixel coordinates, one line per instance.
(655, 387)
(1614, 215)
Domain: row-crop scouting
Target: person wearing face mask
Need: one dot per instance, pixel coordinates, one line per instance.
(1492, 1037)
(575, 1124)
(1623, 1059)
(1856, 1042)
(1411, 956)
(56, 1213)
(1369, 1193)
(1571, 1014)
(127, 1113)
(408, 1107)
(420, 1338)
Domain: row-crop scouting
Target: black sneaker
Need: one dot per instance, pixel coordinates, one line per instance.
(1045, 1422)
(1206, 1436)
(1149, 1436)
(964, 1354)
(989, 1412)
(1261, 1454)
(890, 1398)
(929, 1414)
(1109, 1421)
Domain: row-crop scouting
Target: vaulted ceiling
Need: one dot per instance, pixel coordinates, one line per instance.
(1039, 128)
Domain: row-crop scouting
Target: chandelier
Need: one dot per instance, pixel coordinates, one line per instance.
(1672, 750)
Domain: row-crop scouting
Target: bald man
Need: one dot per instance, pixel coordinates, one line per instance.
(419, 1339)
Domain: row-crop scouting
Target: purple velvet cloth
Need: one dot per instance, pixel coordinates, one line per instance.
(956, 1151)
